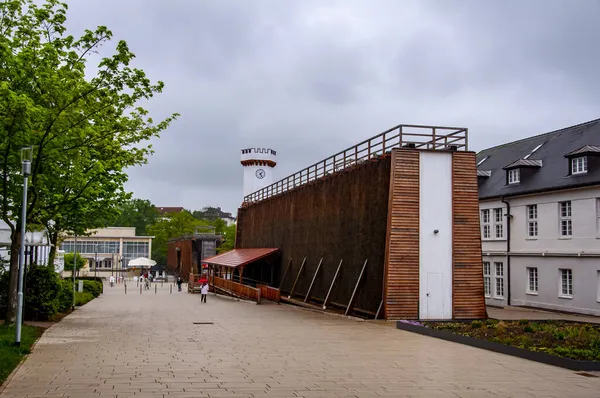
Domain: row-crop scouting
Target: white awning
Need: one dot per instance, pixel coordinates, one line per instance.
(141, 262)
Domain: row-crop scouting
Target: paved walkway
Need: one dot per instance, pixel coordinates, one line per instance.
(148, 346)
(516, 313)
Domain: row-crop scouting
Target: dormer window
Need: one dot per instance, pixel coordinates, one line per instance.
(525, 168)
(579, 165)
(584, 159)
(514, 176)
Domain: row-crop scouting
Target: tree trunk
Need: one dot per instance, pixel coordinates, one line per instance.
(11, 310)
(52, 254)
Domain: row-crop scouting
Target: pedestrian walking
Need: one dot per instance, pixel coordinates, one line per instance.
(112, 281)
(203, 292)
(179, 282)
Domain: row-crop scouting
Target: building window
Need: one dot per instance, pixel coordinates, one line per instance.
(598, 286)
(514, 176)
(498, 225)
(532, 280)
(598, 216)
(499, 291)
(566, 226)
(485, 224)
(566, 283)
(532, 221)
(579, 165)
(487, 279)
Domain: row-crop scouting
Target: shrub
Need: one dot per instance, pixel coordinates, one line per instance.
(42, 286)
(93, 287)
(476, 324)
(528, 329)
(523, 322)
(64, 299)
(83, 298)
(3, 292)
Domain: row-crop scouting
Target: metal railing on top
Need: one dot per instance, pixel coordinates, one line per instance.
(401, 136)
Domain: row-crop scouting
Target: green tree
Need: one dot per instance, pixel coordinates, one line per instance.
(179, 224)
(85, 132)
(69, 260)
(228, 240)
(138, 213)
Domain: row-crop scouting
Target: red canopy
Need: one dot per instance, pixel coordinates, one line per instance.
(240, 257)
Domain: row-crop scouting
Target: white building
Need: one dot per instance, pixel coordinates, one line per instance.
(540, 220)
(37, 246)
(109, 250)
(259, 165)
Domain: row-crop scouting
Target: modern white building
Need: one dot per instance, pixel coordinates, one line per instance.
(540, 220)
(259, 165)
(109, 250)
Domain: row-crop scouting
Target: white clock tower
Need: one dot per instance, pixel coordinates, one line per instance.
(258, 168)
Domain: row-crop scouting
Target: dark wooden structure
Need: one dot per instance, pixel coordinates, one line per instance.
(348, 227)
(185, 254)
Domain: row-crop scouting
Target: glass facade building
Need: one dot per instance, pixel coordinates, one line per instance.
(112, 247)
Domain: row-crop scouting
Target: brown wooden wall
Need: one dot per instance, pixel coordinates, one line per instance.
(467, 278)
(401, 275)
(342, 216)
(187, 260)
(401, 288)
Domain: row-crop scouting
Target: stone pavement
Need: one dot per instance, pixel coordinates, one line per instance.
(148, 346)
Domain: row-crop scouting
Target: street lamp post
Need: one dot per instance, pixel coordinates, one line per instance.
(26, 158)
(95, 260)
(74, 268)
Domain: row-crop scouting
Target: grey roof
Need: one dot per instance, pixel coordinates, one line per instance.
(585, 149)
(524, 163)
(484, 173)
(554, 174)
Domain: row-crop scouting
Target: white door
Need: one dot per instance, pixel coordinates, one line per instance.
(435, 295)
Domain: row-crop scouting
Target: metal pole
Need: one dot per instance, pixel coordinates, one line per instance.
(74, 268)
(26, 168)
(96, 262)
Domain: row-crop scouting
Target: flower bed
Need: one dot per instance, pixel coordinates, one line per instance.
(561, 343)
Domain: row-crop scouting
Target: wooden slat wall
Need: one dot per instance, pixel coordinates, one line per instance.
(401, 271)
(467, 278)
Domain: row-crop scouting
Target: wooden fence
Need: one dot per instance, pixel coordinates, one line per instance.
(402, 135)
(193, 285)
(269, 292)
(234, 288)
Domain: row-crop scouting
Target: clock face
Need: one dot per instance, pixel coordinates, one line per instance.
(260, 173)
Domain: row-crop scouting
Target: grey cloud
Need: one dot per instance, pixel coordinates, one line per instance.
(309, 78)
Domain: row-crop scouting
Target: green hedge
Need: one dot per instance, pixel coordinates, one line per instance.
(93, 287)
(45, 294)
(3, 293)
(83, 298)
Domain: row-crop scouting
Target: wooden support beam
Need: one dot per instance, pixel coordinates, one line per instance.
(241, 273)
(313, 280)
(353, 297)
(297, 277)
(285, 273)
(326, 302)
(379, 309)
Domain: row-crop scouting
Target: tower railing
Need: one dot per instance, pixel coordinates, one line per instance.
(400, 136)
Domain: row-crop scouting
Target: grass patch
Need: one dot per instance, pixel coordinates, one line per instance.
(11, 356)
(559, 338)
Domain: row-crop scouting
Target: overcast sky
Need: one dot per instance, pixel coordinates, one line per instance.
(310, 78)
